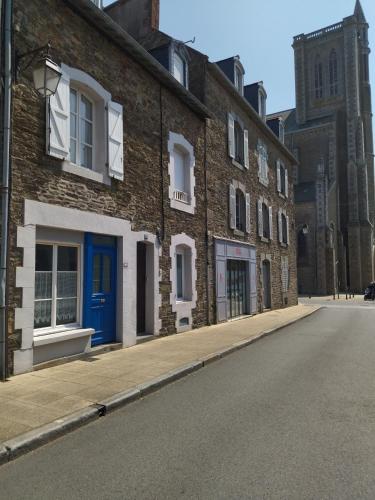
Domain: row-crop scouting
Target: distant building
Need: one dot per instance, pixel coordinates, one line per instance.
(330, 131)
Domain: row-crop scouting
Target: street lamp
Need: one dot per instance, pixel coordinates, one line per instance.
(46, 74)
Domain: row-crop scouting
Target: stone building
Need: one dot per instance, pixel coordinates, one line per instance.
(250, 211)
(330, 132)
(137, 206)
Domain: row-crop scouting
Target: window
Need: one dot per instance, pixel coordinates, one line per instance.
(81, 129)
(333, 74)
(262, 162)
(239, 207)
(56, 286)
(281, 131)
(283, 223)
(238, 79)
(179, 68)
(318, 76)
(238, 141)
(240, 211)
(266, 221)
(265, 229)
(181, 173)
(285, 274)
(365, 68)
(282, 179)
(181, 176)
(85, 128)
(262, 105)
(183, 273)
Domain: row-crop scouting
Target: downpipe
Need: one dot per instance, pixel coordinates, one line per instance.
(7, 75)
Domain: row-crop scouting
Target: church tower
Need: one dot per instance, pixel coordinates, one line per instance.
(331, 132)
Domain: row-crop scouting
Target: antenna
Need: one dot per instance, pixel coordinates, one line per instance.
(190, 41)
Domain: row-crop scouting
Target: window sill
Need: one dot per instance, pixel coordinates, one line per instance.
(238, 164)
(183, 207)
(264, 181)
(282, 195)
(284, 245)
(86, 173)
(265, 240)
(52, 338)
(238, 232)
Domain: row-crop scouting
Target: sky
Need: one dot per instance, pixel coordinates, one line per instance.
(260, 32)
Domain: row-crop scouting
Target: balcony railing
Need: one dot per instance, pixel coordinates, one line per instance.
(182, 197)
(319, 33)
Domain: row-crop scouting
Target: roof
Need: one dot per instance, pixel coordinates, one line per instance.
(95, 16)
(358, 12)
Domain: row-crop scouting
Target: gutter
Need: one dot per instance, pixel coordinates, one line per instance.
(224, 80)
(102, 22)
(7, 77)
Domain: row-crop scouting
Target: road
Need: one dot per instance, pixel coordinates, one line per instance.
(290, 417)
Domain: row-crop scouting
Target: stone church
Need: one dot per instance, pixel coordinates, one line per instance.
(330, 132)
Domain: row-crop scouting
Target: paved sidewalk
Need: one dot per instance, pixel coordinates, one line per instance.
(32, 400)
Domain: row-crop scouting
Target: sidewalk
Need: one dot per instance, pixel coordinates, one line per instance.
(32, 400)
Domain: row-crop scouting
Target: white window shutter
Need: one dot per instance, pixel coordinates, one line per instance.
(115, 141)
(287, 230)
(259, 151)
(286, 183)
(270, 219)
(260, 218)
(58, 120)
(248, 213)
(232, 206)
(246, 148)
(280, 225)
(278, 171)
(231, 145)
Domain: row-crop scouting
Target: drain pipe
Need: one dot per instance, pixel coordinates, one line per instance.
(7, 75)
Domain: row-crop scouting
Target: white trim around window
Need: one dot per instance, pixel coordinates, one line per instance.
(181, 156)
(53, 296)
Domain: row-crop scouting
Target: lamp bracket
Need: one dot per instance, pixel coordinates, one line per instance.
(45, 49)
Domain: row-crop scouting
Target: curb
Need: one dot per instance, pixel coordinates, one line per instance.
(29, 441)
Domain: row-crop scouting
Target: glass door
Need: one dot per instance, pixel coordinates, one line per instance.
(236, 288)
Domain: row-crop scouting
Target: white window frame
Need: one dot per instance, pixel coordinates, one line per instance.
(174, 51)
(70, 326)
(177, 201)
(262, 103)
(239, 78)
(181, 251)
(77, 163)
(262, 163)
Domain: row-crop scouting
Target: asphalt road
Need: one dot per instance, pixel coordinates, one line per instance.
(290, 417)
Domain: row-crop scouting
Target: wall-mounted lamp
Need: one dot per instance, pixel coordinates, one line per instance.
(46, 74)
(305, 229)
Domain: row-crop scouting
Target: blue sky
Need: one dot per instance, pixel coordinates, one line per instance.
(261, 32)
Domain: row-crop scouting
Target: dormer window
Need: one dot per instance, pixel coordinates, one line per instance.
(281, 131)
(238, 78)
(262, 104)
(180, 67)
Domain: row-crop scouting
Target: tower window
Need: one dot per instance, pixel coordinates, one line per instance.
(318, 78)
(333, 74)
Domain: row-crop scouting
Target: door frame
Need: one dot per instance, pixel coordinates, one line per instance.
(266, 259)
(89, 249)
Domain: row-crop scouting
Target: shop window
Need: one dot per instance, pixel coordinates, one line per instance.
(56, 286)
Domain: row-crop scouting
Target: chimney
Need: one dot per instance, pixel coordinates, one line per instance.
(137, 17)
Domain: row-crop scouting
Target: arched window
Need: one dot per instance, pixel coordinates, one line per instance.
(333, 73)
(318, 78)
(240, 210)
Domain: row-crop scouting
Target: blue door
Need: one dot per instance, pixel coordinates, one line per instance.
(100, 288)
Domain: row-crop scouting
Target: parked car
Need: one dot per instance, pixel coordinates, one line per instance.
(370, 292)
